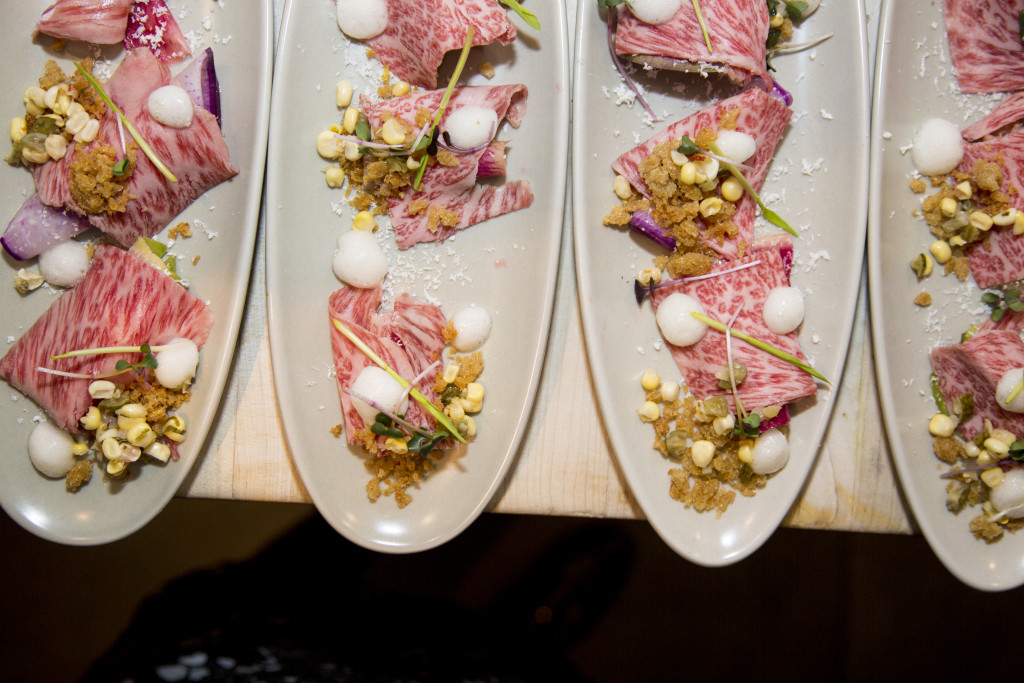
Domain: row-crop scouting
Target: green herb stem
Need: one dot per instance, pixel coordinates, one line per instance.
(109, 349)
(529, 17)
(769, 215)
(128, 124)
(415, 393)
(703, 26)
(444, 102)
(764, 346)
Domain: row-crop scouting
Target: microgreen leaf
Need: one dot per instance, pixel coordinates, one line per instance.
(444, 101)
(363, 130)
(940, 402)
(415, 393)
(795, 9)
(764, 346)
(1020, 25)
(529, 17)
(127, 124)
(748, 426)
(609, 3)
(1017, 451)
(768, 214)
(121, 167)
(688, 146)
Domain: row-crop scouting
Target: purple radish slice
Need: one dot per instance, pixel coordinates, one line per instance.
(199, 80)
(36, 227)
(643, 223)
(492, 162)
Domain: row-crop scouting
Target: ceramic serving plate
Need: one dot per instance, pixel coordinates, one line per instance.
(507, 265)
(224, 222)
(817, 181)
(914, 82)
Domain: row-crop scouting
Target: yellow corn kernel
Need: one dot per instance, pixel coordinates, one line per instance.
(76, 121)
(132, 410)
(141, 434)
(996, 447)
(73, 109)
(941, 425)
(732, 190)
(1004, 218)
(343, 95)
(91, 420)
(18, 128)
(707, 170)
(115, 468)
(1004, 435)
(771, 412)
(688, 173)
(34, 157)
(62, 103)
(993, 476)
(985, 458)
(1018, 224)
(111, 448)
(702, 452)
(669, 391)
(948, 206)
(455, 411)
(394, 445)
(79, 449)
(941, 250)
(126, 423)
(56, 146)
(101, 389)
(678, 158)
(710, 206)
(649, 411)
(36, 97)
(746, 451)
(650, 380)
(393, 131)
(174, 428)
(777, 21)
(364, 221)
(710, 186)
(158, 450)
(334, 176)
(349, 120)
(963, 190)
(327, 145)
(981, 220)
(622, 188)
(957, 241)
(401, 88)
(352, 152)
(467, 427)
(451, 371)
(648, 275)
(475, 392)
(411, 163)
(88, 132)
(971, 449)
(723, 425)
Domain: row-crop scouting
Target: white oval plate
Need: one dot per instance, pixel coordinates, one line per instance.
(241, 36)
(820, 169)
(914, 81)
(507, 264)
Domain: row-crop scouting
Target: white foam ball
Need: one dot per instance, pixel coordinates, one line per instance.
(177, 363)
(49, 449)
(770, 453)
(360, 261)
(675, 321)
(472, 326)
(171, 106)
(938, 147)
(470, 126)
(1007, 383)
(1009, 493)
(64, 264)
(783, 309)
(362, 19)
(654, 11)
(735, 145)
(380, 387)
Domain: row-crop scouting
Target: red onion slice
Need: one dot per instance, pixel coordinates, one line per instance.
(199, 80)
(492, 161)
(36, 227)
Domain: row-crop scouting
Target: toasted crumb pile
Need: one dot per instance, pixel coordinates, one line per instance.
(967, 489)
(92, 182)
(158, 401)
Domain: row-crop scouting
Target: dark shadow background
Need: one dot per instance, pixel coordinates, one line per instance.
(218, 590)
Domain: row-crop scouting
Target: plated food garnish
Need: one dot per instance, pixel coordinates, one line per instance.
(731, 338)
(442, 207)
(109, 315)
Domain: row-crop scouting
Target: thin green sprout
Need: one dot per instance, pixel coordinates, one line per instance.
(703, 26)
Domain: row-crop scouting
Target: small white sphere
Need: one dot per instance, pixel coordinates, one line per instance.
(362, 19)
(938, 147)
(470, 126)
(171, 106)
(675, 322)
(177, 363)
(64, 264)
(360, 260)
(380, 387)
(770, 453)
(49, 448)
(472, 327)
(736, 146)
(1007, 383)
(784, 309)
(1009, 493)
(654, 11)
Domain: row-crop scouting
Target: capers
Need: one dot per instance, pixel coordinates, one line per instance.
(716, 406)
(113, 403)
(739, 371)
(450, 393)
(677, 443)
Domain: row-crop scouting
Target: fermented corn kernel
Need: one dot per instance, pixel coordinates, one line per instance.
(702, 452)
(451, 371)
(1008, 217)
(732, 190)
(364, 221)
(996, 447)
(948, 207)
(352, 152)
(710, 206)
(650, 380)
(79, 448)
(327, 145)
(1004, 435)
(746, 451)
(394, 445)
(92, 419)
(159, 450)
(941, 250)
(393, 131)
(18, 128)
(723, 425)
(475, 392)
(622, 187)
(993, 476)
(669, 391)
(688, 173)
(467, 427)
(76, 121)
(33, 156)
(349, 120)
(649, 411)
(56, 146)
(335, 177)
(981, 220)
(343, 97)
(101, 389)
(88, 132)
(401, 88)
(941, 425)
(1018, 223)
(963, 190)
